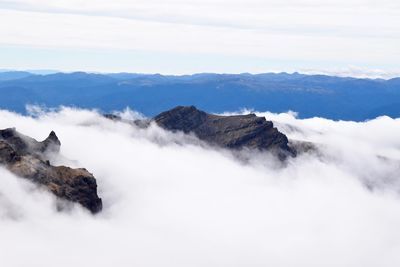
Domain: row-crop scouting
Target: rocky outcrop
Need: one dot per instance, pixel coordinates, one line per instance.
(27, 158)
(234, 132)
(138, 123)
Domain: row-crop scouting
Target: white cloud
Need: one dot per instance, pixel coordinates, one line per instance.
(353, 32)
(175, 205)
(355, 71)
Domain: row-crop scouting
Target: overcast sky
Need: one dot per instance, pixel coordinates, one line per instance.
(176, 36)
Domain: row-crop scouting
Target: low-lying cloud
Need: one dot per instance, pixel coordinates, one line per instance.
(171, 202)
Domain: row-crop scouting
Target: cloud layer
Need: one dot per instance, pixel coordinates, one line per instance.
(328, 33)
(182, 204)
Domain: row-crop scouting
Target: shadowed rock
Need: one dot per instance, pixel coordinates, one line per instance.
(27, 158)
(138, 123)
(26, 145)
(234, 132)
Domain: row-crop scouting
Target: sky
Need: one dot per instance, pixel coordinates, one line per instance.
(355, 37)
(167, 201)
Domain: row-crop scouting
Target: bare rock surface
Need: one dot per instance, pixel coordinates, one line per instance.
(26, 157)
(234, 132)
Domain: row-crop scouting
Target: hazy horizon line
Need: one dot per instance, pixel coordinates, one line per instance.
(360, 74)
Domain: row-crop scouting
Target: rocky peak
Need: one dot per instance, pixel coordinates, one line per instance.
(181, 119)
(51, 143)
(26, 145)
(235, 132)
(25, 157)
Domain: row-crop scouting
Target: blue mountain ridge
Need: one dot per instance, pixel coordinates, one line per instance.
(310, 95)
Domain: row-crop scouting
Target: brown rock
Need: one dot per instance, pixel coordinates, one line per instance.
(26, 157)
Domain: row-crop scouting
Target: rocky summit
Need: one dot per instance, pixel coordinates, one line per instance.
(234, 132)
(27, 158)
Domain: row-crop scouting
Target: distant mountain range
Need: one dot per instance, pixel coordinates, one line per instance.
(309, 95)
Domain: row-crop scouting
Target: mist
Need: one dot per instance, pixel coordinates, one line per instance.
(170, 200)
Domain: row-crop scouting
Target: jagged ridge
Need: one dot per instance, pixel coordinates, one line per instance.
(235, 132)
(26, 157)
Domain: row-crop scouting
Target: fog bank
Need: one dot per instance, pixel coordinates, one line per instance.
(169, 201)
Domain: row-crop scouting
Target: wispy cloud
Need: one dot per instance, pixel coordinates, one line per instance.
(358, 32)
(307, 17)
(355, 71)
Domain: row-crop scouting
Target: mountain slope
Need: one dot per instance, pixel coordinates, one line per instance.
(309, 95)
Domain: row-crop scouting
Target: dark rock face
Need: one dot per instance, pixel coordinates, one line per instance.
(138, 123)
(26, 157)
(232, 132)
(27, 145)
(235, 132)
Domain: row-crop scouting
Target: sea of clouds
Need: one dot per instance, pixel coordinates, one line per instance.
(169, 201)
